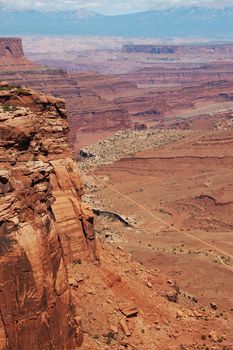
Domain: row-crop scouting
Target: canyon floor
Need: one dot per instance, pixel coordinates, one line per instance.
(175, 197)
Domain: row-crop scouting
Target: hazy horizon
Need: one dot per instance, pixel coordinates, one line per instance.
(106, 7)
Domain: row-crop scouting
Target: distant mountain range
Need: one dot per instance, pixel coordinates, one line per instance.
(174, 22)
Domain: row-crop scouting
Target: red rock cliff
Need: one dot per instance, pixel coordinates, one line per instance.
(44, 227)
(11, 47)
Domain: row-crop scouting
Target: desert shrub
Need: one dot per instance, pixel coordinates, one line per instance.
(9, 108)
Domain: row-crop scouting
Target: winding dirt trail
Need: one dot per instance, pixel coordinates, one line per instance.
(164, 222)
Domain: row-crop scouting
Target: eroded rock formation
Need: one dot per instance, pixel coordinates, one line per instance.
(180, 91)
(11, 54)
(11, 47)
(92, 93)
(44, 227)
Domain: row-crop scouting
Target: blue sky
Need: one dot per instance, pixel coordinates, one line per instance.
(111, 7)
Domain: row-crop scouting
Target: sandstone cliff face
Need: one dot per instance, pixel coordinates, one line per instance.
(11, 47)
(44, 227)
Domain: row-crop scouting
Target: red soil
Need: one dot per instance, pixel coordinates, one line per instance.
(182, 194)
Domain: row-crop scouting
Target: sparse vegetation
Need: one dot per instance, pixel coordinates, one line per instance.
(110, 337)
(9, 108)
(7, 87)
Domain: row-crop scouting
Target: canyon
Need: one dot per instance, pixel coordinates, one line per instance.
(190, 88)
(142, 92)
(77, 90)
(116, 202)
(179, 196)
(67, 288)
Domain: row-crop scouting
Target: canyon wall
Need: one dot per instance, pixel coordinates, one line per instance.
(178, 49)
(146, 96)
(45, 229)
(88, 96)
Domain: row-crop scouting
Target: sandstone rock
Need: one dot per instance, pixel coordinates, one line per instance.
(4, 84)
(113, 279)
(128, 309)
(149, 285)
(125, 327)
(11, 47)
(214, 336)
(179, 314)
(213, 306)
(172, 296)
(197, 314)
(114, 329)
(44, 227)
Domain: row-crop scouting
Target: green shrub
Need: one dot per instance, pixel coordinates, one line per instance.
(9, 108)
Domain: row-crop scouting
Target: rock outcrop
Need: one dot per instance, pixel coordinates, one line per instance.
(11, 54)
(11, 47)
(45, 228)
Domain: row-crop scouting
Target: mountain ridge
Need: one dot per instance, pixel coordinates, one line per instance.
(176, 22)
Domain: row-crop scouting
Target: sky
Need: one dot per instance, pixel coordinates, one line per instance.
(110, 7)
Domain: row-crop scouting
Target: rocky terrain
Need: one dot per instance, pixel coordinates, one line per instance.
(193, 91)
(125, 143)
(94, 112)
(45, 228)
(175, 204)
(177, 201)
(162, 198)
(64, 291)
(155, 90)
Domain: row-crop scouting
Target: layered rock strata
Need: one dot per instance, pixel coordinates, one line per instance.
(161, 94)
(93, 93)
(45, 228)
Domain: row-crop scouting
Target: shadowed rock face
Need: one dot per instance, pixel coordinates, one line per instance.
(44, 226)
(11, 47)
